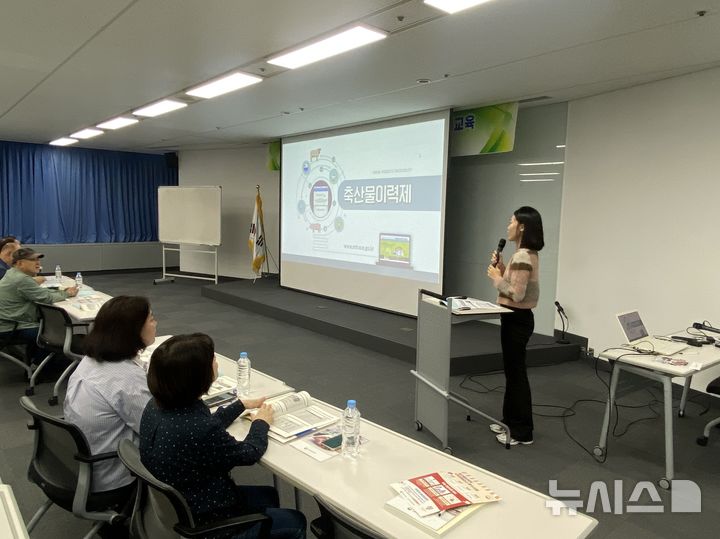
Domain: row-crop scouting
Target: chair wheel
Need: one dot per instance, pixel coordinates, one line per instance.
(52, 401)
(598, 451)
(448, 450)
(664, 483)
(29, 391)
(681, 413)
(702, 440)
(418, 425)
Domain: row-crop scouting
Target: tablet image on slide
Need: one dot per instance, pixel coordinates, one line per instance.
(394, 250)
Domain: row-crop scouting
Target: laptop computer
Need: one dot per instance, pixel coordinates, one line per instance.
(638, 337)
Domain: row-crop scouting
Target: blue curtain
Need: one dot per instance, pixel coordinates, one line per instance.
(74, 195)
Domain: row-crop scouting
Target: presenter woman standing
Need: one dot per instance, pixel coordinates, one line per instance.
(518, 290)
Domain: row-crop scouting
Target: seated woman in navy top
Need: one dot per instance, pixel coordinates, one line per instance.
(184, 445)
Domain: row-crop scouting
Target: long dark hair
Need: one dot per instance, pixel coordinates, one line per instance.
(117, 332)
(532, 235)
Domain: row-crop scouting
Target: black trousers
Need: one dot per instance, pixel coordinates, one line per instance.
(515, 331)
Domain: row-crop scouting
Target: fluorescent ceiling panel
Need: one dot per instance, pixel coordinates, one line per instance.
(159, 108)
(87, 133)
(342, 42)
(453, 6)
(221, 86)
(540, 174)
(117, 123)
(64, 141)
(541, 164)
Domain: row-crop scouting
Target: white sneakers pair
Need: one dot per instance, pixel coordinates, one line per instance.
(502, 436)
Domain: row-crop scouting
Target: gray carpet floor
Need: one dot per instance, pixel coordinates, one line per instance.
(334, 371)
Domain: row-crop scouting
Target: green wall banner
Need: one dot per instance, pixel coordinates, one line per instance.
(273, 162)
(483, 130)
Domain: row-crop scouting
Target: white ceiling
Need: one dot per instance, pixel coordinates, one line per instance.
(72, 64)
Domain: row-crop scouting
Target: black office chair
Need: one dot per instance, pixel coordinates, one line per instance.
(62, 466)
(10, 340)
(161, 512)
(57, 336)
(714, 388)
(331, 524)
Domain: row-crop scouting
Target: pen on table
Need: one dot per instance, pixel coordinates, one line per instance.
(303, 433)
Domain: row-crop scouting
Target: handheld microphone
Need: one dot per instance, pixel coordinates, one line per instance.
(500, 247)
(704, 327)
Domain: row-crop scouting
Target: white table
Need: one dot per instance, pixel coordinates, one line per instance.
(83, 307)
(11, 522)
(359, 488)
(648, 366)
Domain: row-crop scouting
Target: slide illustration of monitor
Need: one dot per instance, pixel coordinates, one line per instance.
(394, 250)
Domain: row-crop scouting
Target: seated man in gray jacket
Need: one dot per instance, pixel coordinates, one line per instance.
(19, 292)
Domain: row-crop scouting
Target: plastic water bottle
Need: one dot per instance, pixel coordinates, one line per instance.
(78, 279)
(351, 430)
(243, 375)
(58, 273)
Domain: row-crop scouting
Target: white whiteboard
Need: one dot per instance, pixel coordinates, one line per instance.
(189, 215)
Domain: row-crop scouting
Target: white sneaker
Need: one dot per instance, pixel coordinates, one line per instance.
(501, 438)
(497, 429)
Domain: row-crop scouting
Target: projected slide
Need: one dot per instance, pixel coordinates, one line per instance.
(368, 201)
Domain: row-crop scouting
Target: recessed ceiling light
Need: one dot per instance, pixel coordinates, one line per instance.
(540, 174)
(64, 141)
(117, 123)
(453, 6)
(325, 48)
(221, 86)
(161, 107)
(560, 146)
(87, 133)
(541, 164)
(538, 180)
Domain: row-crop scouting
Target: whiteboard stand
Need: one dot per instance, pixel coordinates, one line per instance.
(169, 277)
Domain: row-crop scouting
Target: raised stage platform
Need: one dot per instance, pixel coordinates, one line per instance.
(476, 345)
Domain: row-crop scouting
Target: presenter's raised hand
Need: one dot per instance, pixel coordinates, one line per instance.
(494, 273)
(496, 259)
(265, 413)
(251, 404)
(72, 291)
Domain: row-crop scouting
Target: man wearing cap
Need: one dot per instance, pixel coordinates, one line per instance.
(8, 245)
(19, 293)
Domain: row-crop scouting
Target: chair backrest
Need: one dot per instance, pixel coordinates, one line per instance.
(159, 506)
(55, 327)
(53, 463)
(335, 525)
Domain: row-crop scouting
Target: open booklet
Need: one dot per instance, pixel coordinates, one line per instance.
(295, 414)
(439, 501)
(463, 305)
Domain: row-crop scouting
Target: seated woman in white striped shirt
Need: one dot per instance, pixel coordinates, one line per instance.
(108, 391)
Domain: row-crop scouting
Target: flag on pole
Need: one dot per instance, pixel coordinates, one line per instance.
(256, 240)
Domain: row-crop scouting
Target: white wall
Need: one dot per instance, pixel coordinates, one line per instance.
(238, 171)
(640, 200)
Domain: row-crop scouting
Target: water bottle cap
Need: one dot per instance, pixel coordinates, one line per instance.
(351, 403)
(243, 354)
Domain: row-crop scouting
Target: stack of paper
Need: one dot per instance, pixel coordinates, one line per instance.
(440, 500)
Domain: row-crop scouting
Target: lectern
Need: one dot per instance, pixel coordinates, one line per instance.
(435, 323)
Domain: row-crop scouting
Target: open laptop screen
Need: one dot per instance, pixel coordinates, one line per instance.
(632, 326)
